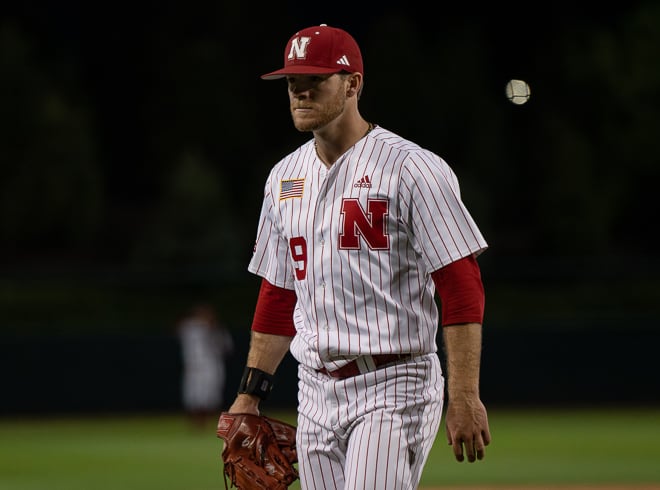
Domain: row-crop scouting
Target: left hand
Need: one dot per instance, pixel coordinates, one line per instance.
(467, 429)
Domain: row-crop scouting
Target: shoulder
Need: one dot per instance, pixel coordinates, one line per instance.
(294, 165)
(298, 160)
(412, 156)
(393, 140)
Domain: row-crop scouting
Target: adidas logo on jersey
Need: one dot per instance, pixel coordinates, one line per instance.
(363, 182)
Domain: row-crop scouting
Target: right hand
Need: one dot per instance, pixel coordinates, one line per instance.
(245, 403)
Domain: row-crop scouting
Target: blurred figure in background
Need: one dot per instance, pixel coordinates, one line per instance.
(205, 345)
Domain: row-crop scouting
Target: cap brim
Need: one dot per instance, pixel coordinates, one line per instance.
(300, 70)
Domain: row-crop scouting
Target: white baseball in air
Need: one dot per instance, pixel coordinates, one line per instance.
(518, 91)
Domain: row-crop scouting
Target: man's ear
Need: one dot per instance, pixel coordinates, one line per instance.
(354, 84)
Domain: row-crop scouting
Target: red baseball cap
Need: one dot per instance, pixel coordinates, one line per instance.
(318, 50)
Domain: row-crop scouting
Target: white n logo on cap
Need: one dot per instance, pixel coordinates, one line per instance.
(299, 48)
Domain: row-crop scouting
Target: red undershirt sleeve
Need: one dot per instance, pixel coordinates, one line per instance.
(273, 313)
(461, 292)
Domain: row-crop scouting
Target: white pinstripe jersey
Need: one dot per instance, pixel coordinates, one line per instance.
(358, 242)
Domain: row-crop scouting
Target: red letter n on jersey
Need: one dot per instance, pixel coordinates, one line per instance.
(370, 225)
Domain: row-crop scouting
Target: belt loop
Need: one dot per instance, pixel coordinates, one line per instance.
(365, 364)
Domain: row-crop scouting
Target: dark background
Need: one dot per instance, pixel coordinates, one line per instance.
(135, 140)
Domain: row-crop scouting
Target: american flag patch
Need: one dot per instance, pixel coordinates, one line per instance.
(291, 188)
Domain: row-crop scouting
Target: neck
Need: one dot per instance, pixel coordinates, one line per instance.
(329, 149)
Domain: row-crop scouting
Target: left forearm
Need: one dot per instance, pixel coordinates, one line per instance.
(463, 351)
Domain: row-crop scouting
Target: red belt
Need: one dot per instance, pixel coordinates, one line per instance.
(364, 364)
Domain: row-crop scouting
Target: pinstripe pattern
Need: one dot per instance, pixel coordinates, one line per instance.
(372, 431)
(358, 246)
(365, 300)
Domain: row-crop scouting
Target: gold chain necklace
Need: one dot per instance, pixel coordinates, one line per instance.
(369, 129)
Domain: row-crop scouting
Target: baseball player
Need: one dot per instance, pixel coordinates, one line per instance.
(359, 229)
(205, 343)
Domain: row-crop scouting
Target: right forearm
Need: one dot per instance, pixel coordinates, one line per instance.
(267, 351)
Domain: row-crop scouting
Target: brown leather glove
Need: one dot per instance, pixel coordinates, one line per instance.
(259, 452)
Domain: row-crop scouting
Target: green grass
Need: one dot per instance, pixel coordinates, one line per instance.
(163, 452)
(558, 447)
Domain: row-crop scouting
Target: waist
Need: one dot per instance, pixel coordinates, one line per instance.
(365, 364)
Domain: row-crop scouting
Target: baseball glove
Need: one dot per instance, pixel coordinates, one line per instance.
(259, 452)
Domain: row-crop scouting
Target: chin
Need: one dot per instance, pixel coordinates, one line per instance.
(304, 126)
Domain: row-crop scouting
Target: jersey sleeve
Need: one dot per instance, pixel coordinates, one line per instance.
(443, 230)
(274, 311)
(461, 292)
(270, 257)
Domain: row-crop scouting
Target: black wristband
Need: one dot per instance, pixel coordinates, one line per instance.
(256, 382)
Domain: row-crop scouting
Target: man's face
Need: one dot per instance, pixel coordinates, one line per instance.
(316, 100)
